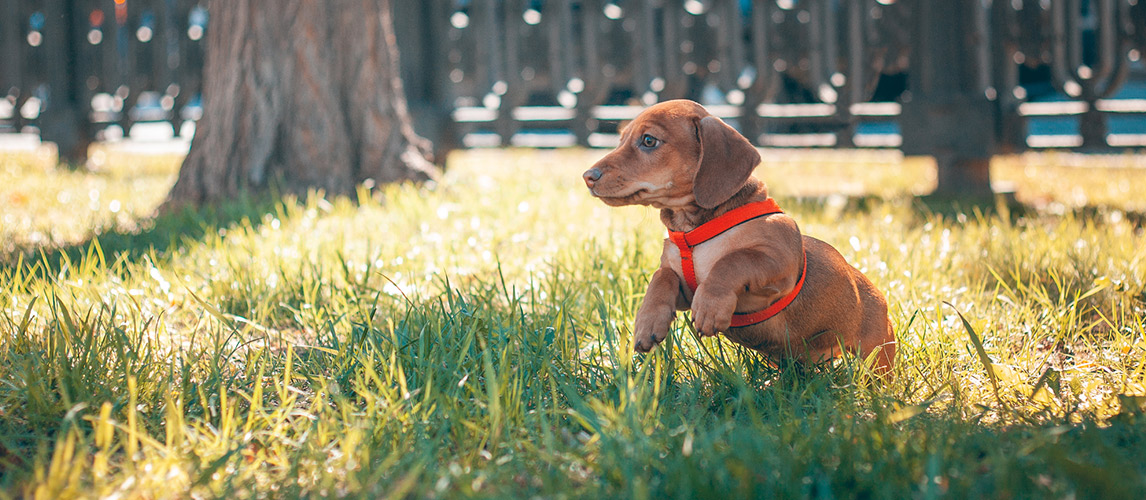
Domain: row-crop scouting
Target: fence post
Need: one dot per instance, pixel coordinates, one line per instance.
(420, 29)
(65, 120)
(10, 57)
(950, 114)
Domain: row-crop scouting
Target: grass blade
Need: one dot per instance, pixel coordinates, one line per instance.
(981, 351)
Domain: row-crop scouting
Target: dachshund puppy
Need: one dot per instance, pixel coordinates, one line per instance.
(732, 256)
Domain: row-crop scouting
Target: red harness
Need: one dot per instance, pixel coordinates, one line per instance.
(686, 241)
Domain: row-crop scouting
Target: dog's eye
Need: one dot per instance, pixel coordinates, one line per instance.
(649, 142)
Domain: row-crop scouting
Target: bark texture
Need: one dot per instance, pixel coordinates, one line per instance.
(304, 95)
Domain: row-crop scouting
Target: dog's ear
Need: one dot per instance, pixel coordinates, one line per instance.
(726, 161)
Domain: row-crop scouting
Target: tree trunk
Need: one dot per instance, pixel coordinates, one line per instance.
(949, 115)
(302, 95)
(65, 121)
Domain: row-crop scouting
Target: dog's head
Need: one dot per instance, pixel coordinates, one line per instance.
(674, 155)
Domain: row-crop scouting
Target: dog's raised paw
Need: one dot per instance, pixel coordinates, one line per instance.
(712, 313)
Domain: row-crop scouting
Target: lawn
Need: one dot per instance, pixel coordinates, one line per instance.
(471, 339)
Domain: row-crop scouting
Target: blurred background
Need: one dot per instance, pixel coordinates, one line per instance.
(960, 81)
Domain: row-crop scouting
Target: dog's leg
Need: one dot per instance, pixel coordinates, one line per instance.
(875, 332)
(736, 273)
(886, 343)
(657, 311)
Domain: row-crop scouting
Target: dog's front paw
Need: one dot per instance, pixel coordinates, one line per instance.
(712, 311)
(652, 327)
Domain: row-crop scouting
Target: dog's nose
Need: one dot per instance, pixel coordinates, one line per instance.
(591, 176)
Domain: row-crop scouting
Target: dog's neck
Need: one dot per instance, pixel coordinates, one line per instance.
(687, 219)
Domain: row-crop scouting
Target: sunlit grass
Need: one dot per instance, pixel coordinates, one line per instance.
(47, 207)
(1057, 182)
(472, 339)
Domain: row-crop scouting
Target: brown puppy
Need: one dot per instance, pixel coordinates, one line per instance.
(695, 168)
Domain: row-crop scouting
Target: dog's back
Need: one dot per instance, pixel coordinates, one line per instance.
(837, 307)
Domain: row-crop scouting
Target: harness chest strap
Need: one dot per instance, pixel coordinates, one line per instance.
(686, 241)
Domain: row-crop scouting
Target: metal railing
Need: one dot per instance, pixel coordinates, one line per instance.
(69, 68)
(973, 76)
(804, 73)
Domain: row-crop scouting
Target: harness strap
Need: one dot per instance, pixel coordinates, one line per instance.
(686, 241)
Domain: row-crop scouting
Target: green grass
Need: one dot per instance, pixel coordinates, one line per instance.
(471, 339)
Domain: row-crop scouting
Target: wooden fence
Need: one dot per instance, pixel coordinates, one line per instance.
(71, 67)
(956, 79)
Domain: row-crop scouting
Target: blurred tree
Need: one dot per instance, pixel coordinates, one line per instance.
(302, 95)
(64, 119)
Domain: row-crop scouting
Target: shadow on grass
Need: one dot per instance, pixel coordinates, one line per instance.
(959, 209)
(924, 206)
(158, 236)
